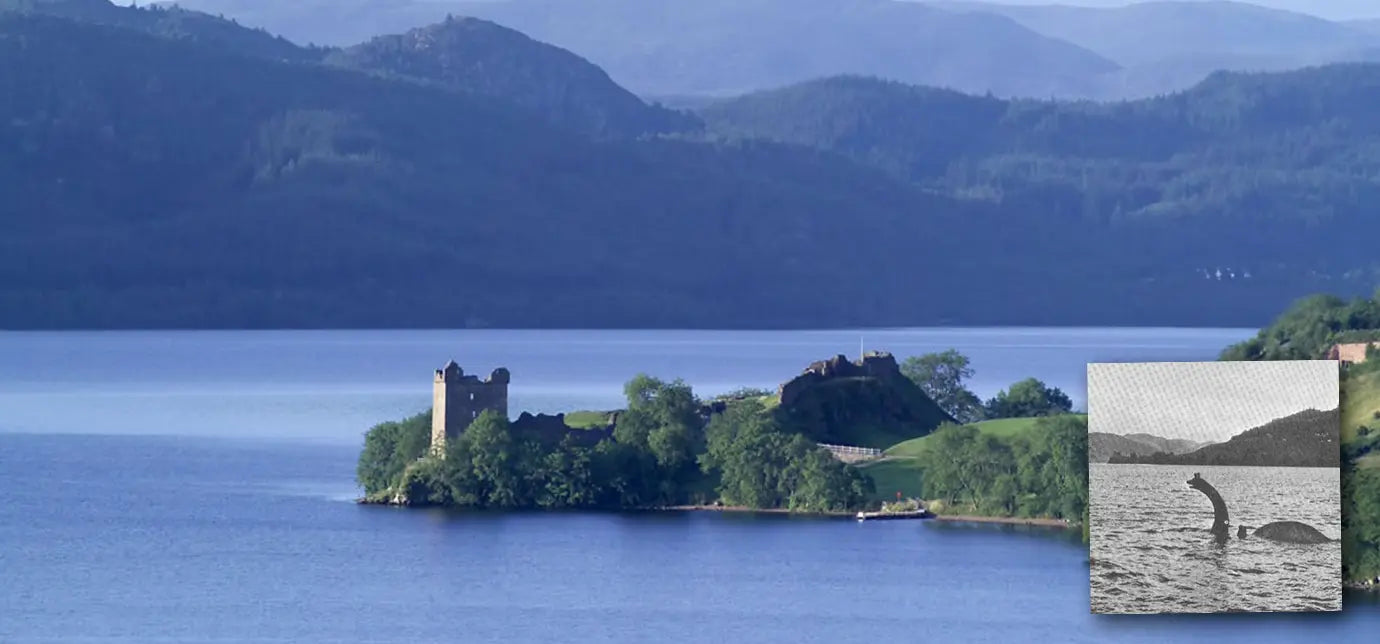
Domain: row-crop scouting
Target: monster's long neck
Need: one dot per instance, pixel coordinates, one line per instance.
(1219, 507)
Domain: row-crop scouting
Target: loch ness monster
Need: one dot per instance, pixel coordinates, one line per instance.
(1283, 531)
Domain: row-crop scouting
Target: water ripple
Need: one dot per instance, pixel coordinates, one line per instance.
(1154, 554)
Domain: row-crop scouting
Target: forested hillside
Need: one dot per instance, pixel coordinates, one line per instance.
(170, 22)
(683, 48)
(1259, 175)
(481, 57)
(725, 47)
(162, 183)
(466, 175)
(1312, 436)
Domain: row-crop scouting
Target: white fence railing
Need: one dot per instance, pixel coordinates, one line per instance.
(849, 450)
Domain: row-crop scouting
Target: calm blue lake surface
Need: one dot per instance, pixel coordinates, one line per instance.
(196, 487)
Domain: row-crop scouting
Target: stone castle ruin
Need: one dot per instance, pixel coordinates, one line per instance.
(830, 402)
(842, 402)
(875, 364)
(458, 399)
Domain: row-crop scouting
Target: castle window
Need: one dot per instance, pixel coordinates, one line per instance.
(474, 414)
(471, 396)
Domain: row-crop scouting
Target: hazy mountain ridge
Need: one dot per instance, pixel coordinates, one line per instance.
(1170, 445)
(166, 183)
(488, 59)
(170, 22)
(1148, 32)
(1193, 166)
(1165, 46)
(176, 182)
(1310, 438)
(1370, 25)
(1102, 446)
(468, 55)
(726, 47)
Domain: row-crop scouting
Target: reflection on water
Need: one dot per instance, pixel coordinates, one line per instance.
(1152, 551)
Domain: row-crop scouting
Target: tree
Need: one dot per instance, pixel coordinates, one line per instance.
(568, 478)
(759, 465)
(655, 404)
(498, 460)
(941, 376)
(1027, 398)
(389, 448)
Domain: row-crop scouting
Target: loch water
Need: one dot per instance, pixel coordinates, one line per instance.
(1153, 551)
(198, 487)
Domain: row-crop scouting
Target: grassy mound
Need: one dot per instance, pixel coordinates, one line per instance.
(1360, 404)
(1361, 417)
(589, 419)
(900, 470)
(1000, 428)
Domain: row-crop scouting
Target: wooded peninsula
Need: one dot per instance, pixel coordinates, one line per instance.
(1021, 453)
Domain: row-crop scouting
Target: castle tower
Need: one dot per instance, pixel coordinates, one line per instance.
(458, 399)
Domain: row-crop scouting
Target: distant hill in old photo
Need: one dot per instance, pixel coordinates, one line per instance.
(1309, 438)
(1102, 446)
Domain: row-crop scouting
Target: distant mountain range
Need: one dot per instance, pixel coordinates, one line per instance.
(1169, 168)
(168, 168)
(1167, 46)
(679, 48)
(1370, 26)
(1310, 438)
(480, 57)
(1102, 446)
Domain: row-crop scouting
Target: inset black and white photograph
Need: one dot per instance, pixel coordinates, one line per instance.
(1215, 487)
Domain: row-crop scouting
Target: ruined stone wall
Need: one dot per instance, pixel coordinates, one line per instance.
(553, 429)
(458, 399)
(876, 364)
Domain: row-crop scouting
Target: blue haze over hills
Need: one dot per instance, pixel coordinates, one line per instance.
(178, 170)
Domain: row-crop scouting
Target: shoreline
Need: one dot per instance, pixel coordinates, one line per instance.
(739, 509)
(732, 509)
(1062, 524)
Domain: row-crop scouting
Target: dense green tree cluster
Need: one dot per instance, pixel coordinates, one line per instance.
(389, 448)
(1028, 398)
(1305, 331)
(759, 465)
(1309, 328)
(1043, 472)
(661, 453)
(941, 376)
(1361, 523)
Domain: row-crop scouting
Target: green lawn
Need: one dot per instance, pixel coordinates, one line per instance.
(900, 470)
(894, 475)
(1001, 428)
(1361, 398)
(588, 419)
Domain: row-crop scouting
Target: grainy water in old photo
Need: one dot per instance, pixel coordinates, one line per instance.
(1153, 552)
